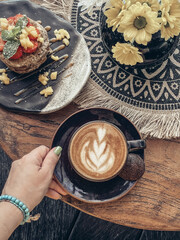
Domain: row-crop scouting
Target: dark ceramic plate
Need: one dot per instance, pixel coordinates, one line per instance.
(75, 185)
(66, 88)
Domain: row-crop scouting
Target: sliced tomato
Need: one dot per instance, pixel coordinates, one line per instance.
(11, 20)
(2, 43)
(18, 54)
(32, 37)
(17, 16)
(33, 49)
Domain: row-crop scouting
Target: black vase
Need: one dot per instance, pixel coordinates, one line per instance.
(156, 51)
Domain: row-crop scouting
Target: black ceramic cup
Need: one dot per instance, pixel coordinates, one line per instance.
(84, 148)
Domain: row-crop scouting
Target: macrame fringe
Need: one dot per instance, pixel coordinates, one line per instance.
(150, 123)
(59, 7)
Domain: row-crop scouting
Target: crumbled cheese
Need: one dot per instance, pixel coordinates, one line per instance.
(24, 39)
(43, 78)
(53, 76)
(4, 23)
(61, 34)
(23, 36)
(24, 33)
(4, 79)
(47, 91)
(34, 34)
(26, 43)
(66, 41)
(2, 70)
(55, 58)
(40, 39)
(46, 74)
(31, 31)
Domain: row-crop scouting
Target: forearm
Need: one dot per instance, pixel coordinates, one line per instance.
(10, 218)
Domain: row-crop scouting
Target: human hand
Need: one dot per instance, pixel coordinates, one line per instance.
(31, 177)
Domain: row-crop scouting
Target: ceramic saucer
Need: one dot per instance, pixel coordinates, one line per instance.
(76, 186)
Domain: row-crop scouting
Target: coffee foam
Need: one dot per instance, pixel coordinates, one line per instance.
(98, 150)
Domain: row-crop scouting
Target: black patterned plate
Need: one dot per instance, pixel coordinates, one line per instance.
(75, 185)
(68, 84)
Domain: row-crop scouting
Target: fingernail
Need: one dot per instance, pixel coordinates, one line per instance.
(58, 150)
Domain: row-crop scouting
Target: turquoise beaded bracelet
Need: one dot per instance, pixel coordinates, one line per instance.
(24, 209)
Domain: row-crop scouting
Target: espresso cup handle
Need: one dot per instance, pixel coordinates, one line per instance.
(136, 145)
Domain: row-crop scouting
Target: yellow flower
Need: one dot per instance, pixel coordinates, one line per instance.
(138, 23)
(167, 31)
(115, 13)
(112, 17)
(154, 4)
(170, 11)
(116, 3)
(174, 8)
(170, 18)
(126, 54)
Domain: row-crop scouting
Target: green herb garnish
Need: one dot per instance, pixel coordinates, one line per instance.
(7, 35)
(12, 37)
(16, 31)
(22, 22)
(10, 48)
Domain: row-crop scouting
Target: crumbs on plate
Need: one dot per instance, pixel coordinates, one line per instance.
(43, 78)
(47, 91)
(53, 76)
(4, 77)
(61, 34)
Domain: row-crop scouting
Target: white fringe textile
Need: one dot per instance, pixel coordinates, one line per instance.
(60, 7)
(151, 123)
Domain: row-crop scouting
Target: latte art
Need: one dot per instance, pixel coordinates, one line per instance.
(98, 150)
(97, 156)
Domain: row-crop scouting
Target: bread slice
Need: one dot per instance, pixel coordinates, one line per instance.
(29, 62)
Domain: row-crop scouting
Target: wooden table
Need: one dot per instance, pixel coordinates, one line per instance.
(153, 204)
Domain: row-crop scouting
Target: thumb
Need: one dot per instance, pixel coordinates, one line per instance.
(51, 159)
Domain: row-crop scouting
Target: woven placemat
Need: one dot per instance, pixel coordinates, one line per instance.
(148, 96)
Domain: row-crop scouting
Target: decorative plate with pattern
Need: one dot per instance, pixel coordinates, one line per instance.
(152, 87)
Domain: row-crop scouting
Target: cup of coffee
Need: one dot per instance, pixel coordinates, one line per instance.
(98, 150)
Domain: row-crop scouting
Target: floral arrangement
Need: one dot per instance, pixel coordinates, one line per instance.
(137, 21)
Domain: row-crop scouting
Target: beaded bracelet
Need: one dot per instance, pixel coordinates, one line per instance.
(19, 204)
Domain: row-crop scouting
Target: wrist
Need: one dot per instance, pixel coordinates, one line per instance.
(10, 216)
(20, 205)
(13, 210)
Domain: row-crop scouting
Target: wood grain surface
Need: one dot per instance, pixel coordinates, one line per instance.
(153, 204)
(59, 221)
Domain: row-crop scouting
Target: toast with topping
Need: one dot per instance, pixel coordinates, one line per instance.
(24, 43)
